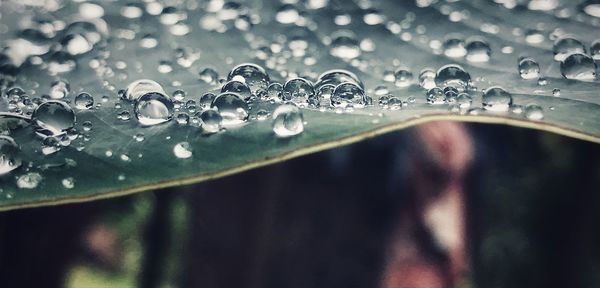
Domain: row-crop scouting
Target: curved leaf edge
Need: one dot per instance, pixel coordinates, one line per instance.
(384, 129)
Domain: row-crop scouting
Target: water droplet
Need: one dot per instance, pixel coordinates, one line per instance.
(206, 99)
(394, 103)
(253, 75)
(427, 78)
(454, 47)
(336, 77)
(140, 87)
(436, 96)
(496, 99)
(404, 78)
(232, 108)
(556, 92)
(595, 48)
(211, 121)
(478, 50)
(298, 90)
(344, 45)
(534, 36)
(209, 75)
(373, 17)
(274, 91)
(182, 118)
(139, 137)
(237, 87)
(29, 180)
(10, 155)
(87, 126)
(592, 8)
(59, 89)
(287, 14)
(287, 120)
(565, 46)
(68, 183)
(53, 118)
(348, 95)
(182, 150)
(534, 112)
(528, 68)
(179, 95)
(153, 108)
(453, 75)
(464, 100)
(84, 101)
(578, 66)
(262, 115)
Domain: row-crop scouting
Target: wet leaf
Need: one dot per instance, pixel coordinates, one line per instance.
(111, 45)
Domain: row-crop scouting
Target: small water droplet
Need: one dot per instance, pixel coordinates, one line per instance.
(59, 89)
(528, 68)
(453, 75)
(68, 183)
(496, 99)
(29, 180)
(254, 76)
(578, 66)
(84, 101)
(182, 150)
(404, 78)
(348, 95)
(298, 90)
(435, 96)
(211, 121)
(287, 120)
(534, 112)
(10, 155)
(140, 87)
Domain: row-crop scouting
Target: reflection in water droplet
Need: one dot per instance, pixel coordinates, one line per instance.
(10, 155)
(232, 108)
(287, 120)
(496, 99)
(182, 150)
(53, 118)
(153, 108)
(578, 66)
(528, 68)
(252, 75)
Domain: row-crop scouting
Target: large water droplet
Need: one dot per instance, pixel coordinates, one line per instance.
(10, 155)
(53, 118)
(287, 121)
(153, 108)
(496, 99)
(232, 108)
(578, 66)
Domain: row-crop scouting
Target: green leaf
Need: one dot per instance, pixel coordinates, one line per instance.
(111, 162)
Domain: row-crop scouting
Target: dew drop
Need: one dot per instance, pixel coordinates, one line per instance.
(287, 120)
(53, 118)
(298, 90)
(84, 101)
(436, 96)
(404, 78)
(237, 87)
(209, 76)
(528, 68)
(59, 89)
(252, 75)
(496, 99)
(427, 78)
(29, 181)
(453, 75)
(348, 95)
(565, 46)
(211, 121)
(232, 108)
(578, 66)
(153, 108)
(68, 183)
(478, 50)
(182, 150)
(534, 112)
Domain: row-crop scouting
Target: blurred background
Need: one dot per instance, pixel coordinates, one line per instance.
(439, 205)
